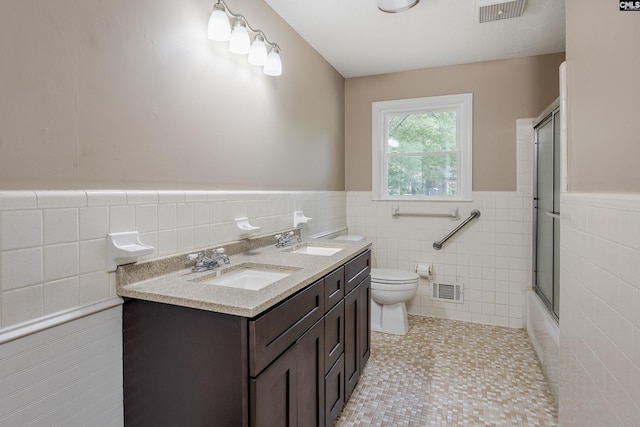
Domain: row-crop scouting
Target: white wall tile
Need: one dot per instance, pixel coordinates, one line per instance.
(167, 242)
(106, 198)
(60, 261)
(66, 243)
(171, 197)
(60, 225)
(201, 214)
(122, 218)
(142, 197)
(146, 218)
(61, 295)
(94, 222)
(167, 217)
(20, 229)
(599, 321)
(186, 239)
(21, 305)
(94, 287)
(21, 268)
(92, 255)
(61, 199)
(13, 200)
(185, 215)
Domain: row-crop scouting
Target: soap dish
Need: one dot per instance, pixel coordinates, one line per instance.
(243, 225)
(125, 248)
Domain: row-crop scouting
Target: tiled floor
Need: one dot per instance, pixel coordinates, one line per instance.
(450, 373)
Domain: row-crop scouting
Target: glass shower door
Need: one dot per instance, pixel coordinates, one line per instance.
(546, 212)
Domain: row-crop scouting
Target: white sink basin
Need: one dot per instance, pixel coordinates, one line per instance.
(315, 250)
(249, 278)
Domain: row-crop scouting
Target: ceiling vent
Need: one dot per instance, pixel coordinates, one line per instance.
(497, 11)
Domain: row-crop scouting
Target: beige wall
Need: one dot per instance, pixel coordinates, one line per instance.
(123, 94)
(604, 94)
(503, 91)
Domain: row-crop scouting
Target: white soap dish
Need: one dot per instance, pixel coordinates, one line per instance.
(125, 248)
(244, 226)
(299, 218)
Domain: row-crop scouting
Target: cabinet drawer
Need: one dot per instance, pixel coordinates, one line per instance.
(356, 270)
(275, 331)
(333, 288)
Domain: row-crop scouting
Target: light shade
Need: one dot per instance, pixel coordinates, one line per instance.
(395, 6)
(258, 51)
(219, 29)
(240, 41)
(273, 67)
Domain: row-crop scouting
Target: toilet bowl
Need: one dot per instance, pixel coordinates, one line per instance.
(390, 289)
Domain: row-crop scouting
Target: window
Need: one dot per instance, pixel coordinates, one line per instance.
(422, 148)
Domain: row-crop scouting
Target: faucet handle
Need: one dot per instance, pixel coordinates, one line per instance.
(278, 236)
(218, 251)
(193, 257)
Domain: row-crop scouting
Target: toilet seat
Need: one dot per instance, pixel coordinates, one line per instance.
(393, 277)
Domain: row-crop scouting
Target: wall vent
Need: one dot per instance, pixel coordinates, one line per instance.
(497, 11)
(451, 292)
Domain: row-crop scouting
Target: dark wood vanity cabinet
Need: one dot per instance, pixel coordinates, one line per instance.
(293, 365)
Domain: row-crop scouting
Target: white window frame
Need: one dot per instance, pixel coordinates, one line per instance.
(461, 103)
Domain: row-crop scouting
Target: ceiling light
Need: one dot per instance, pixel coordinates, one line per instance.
(219, 29)
(395, 6)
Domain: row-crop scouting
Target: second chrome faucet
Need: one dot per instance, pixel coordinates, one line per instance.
(287, 239)
(204, 263)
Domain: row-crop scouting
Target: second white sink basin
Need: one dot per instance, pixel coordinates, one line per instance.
(308, 249)
(251, 278)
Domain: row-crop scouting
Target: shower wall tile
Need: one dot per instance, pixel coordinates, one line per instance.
(599, 306)
(52, 243)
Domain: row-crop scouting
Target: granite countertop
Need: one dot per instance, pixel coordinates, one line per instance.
(161, 281)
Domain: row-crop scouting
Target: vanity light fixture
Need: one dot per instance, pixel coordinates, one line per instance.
(395, 6)
(243, 39)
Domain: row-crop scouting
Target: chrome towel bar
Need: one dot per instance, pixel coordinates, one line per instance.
(474, 214)
(453, 213)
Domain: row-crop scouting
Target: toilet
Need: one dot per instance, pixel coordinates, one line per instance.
(390, 290)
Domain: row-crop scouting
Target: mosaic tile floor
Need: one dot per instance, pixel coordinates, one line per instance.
(450, 373)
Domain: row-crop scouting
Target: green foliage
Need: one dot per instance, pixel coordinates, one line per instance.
(421, 154)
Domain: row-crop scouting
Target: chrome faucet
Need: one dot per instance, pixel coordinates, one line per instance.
(204, 263)
(286, 239)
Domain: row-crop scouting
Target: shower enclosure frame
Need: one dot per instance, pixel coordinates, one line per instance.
(546, 213)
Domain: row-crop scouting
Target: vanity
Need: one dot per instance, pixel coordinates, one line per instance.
(288, 354)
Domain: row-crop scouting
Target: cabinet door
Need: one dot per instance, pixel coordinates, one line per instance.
(352, 333)
(274, 393)
(334, 392)
(310, 357)
(365, 322)
(333, 335)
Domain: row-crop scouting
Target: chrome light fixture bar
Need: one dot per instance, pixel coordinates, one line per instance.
(395, 6)
(225, 25)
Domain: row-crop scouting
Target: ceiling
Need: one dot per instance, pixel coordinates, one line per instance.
(359, 40)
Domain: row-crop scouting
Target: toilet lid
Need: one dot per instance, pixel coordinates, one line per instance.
(386, 275)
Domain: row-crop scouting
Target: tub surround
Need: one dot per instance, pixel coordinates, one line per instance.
(171, 281)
